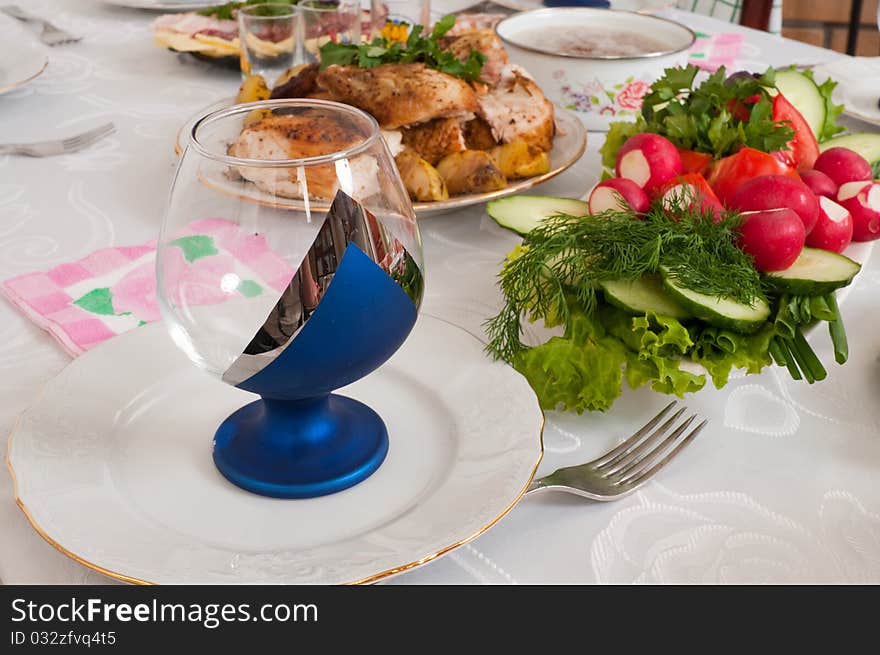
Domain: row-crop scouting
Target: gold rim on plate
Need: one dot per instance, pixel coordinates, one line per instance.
(361, 581)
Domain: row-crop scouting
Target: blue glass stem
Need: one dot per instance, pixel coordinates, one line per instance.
(300, 448)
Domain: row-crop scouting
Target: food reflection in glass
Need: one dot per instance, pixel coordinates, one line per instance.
(339, 22)
(312, 278)
(268, 36)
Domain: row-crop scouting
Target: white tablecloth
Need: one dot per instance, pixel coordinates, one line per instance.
(781, 487)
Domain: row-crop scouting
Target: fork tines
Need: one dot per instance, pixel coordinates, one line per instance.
(89, 137)
(633, 461)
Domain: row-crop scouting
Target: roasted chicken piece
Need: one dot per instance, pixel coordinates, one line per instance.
(297, 82)
(484, 41)
(435, 139)
(470, 171)
(422, 181)
(400, 95)
(306, 133)
(478, 135)
(517, 110)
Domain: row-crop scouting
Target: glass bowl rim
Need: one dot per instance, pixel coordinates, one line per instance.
(285, 10)
(362, 146)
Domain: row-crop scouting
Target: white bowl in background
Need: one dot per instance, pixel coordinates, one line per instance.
(598, 87)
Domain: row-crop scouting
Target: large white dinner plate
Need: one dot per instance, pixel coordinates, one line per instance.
(112, 465)
(568, 146)
(164, 5)
(858, 85)
(23, 58)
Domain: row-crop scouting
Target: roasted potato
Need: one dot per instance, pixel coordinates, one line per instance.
(252, 89)
(478, 135)
(520, 159)
(471, 171)
(422, 181)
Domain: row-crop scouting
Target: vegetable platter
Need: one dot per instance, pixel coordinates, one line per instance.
(718, 238)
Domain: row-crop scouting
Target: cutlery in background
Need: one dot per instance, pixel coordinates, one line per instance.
(58, 146)
(50, 35)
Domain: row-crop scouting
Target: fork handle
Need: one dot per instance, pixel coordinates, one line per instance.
(538, 483)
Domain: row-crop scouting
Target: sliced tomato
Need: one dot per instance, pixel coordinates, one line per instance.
(729, 173)
(695, 162)
(803, 148)
(694, 187)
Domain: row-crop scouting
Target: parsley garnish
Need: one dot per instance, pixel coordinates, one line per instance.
(705, 117)
(417, 48)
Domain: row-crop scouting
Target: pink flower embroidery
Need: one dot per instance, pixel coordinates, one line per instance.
(631, 96)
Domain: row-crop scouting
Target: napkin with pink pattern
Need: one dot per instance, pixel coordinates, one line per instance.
(113, 290)
(710, 51)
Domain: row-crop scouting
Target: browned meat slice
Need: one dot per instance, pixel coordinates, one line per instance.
(485, 41)
(298, 86)
(478, 135)
(400, 94)
(306, 133)
(435, 139)
(517, 110)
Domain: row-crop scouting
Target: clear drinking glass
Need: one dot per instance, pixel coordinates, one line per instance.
(339, 22)
(394, 19)
(268, 36)
(289, 264)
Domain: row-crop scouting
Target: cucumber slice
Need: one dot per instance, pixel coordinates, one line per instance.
(725, 313)
(643, 295)
(814, 273)
(803, 93)
(522, 214)
(866, 144)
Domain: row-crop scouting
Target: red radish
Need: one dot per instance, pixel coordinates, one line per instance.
(834, 229)
(819, 183)
(774, 238)
(776, 192)
(843, 165)
(862, 200)
(612, 194)
(691, 187)
(649, 160)
(731, 172)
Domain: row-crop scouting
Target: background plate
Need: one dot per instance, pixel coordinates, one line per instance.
(568, 146)
(112, 466)
(164, 5)
(23, 58)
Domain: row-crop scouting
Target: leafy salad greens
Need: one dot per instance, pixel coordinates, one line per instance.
(417, 48)
(556, 276)
(708, 116)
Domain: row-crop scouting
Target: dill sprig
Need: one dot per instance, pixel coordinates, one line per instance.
(565, 258)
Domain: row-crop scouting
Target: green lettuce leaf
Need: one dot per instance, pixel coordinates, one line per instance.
(581, 371)
(656, 345)
(720, 351)
(618, 133)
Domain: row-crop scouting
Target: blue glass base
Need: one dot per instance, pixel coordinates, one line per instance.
(300, 448)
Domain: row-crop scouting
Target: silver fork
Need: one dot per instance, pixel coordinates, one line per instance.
(628, 466)
(58, 146)
(50, 34)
